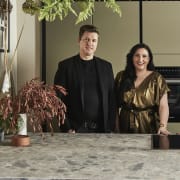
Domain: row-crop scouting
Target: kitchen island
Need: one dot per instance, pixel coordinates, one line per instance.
(88, 156)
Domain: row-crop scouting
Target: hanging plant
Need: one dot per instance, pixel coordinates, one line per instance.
(49, 10)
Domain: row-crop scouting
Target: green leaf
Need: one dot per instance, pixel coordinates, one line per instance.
(114, 6)
(86, 11)
(51, 9)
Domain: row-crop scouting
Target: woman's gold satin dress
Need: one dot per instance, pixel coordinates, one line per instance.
(140, 113)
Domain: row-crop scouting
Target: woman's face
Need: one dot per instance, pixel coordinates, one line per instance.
(141, 59)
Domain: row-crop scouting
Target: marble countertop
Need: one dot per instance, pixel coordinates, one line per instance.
(88, 156)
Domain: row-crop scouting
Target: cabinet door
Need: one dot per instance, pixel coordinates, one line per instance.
(117, 35)
(161, 31)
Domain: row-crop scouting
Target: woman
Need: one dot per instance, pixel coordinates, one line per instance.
(141, 95)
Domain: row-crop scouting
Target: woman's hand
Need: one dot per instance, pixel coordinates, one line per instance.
(71, 131)
(163, 130)
(163, 114)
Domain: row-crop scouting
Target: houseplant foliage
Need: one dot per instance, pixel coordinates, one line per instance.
(38, 101)
(50, 9)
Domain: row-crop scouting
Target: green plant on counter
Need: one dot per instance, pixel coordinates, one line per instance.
(50, 9)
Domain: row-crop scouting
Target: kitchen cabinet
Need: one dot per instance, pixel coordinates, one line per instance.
(174, 127)
(117, 35)
(161, 31)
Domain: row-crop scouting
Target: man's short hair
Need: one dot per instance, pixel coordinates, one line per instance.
(87, 28)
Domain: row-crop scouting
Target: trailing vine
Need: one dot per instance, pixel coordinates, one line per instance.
(49, 10)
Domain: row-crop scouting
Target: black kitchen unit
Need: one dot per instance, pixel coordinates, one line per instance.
(172, 76)
(165, 142)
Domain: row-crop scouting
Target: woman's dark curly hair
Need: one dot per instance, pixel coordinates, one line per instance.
(129, 74)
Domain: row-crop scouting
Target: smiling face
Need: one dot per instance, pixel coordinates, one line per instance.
(141, 59)
(88, 44)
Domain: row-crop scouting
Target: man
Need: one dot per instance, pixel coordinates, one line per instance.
(89, 82)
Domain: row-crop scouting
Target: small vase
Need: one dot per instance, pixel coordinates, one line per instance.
(20, 140)
(22, 124)
(7, 84)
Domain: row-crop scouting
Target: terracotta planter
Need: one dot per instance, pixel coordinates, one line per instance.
(20, 140)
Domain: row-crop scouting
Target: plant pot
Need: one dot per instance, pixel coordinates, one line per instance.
(22, 124)
(20, 140)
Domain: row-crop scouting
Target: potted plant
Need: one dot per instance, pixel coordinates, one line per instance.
(5, 114)
(36, 99)
(50, 9)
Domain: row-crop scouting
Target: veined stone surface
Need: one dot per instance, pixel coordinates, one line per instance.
(88, 156)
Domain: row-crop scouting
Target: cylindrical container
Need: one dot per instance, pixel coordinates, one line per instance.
(22, 124)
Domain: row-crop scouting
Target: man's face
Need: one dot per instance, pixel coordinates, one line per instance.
(88, 43)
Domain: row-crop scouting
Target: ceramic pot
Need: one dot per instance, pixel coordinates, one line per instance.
(20, 140)
(22, 124)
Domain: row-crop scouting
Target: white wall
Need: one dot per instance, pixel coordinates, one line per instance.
(27, 60)
(13, 40)
(28, 55)
(161, 31)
